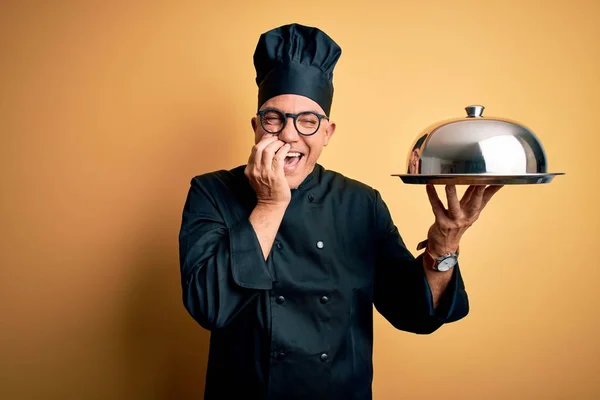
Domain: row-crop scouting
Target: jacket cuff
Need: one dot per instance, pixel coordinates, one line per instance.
(453, 304)
(248, 266)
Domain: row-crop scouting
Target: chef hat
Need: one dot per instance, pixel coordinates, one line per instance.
(296, 59)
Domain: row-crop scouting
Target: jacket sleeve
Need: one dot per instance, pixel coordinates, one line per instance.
(222, 267)
(401, 291)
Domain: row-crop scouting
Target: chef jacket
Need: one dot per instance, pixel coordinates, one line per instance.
(299, 325)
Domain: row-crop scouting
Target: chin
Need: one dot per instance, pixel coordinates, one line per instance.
(293, 183)
(295, 178)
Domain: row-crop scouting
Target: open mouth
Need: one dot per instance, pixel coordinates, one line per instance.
(292, 159)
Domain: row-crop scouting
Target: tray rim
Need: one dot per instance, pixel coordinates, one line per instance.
(478, 179)
(483, 175)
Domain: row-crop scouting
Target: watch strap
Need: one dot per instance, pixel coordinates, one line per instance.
(423, 245)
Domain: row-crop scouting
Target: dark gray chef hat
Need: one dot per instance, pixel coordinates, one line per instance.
(296, 59)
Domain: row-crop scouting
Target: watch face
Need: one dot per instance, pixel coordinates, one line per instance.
(446, 264)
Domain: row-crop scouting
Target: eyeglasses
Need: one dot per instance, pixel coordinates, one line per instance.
(307, 123)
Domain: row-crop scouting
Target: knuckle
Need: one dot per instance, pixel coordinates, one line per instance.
(474, 208)
(254, 171)
(452, 224)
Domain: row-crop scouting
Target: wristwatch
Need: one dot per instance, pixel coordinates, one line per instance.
(443, 263)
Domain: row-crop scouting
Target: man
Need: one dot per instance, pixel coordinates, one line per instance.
(414, 159)
(283, 260)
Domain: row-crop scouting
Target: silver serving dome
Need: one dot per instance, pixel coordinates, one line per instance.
(477, 150)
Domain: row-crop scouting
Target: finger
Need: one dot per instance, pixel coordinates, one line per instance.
(265, 141)
(436, 204)
(269, 152)
(257, 150)
(279, 159)
(467, 196)
(474, 204)
(453, 203)
(489, 193)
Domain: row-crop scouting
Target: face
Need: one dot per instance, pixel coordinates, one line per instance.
(413, 167)
(309, 148)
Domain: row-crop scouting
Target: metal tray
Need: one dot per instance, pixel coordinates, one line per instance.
(478, 179)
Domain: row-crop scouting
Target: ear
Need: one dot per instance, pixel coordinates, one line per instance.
(329, 132)
(254, 124)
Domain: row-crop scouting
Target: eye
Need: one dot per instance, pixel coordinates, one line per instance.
(272, 118)
(308, 119)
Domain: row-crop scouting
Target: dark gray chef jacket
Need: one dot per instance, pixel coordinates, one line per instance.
(300, 324)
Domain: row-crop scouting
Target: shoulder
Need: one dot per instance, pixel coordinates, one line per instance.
(350, 194)
(220, 186)
(348, 185)
(220, 178)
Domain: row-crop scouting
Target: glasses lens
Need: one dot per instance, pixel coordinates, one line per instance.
(272, 121)
(307, 123)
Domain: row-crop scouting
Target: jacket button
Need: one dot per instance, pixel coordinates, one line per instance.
(280, 300)
(280, 356)
(324, 357)
(311, 197)
(320, 244)
(324, 299)
(279, 246)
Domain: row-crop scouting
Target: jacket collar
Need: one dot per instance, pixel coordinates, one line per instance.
(312, 179)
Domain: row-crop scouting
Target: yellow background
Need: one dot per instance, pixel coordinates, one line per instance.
(107, 109)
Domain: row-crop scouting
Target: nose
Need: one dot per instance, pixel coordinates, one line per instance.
(289, 134)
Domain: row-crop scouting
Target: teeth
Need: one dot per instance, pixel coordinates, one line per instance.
(293, 154)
